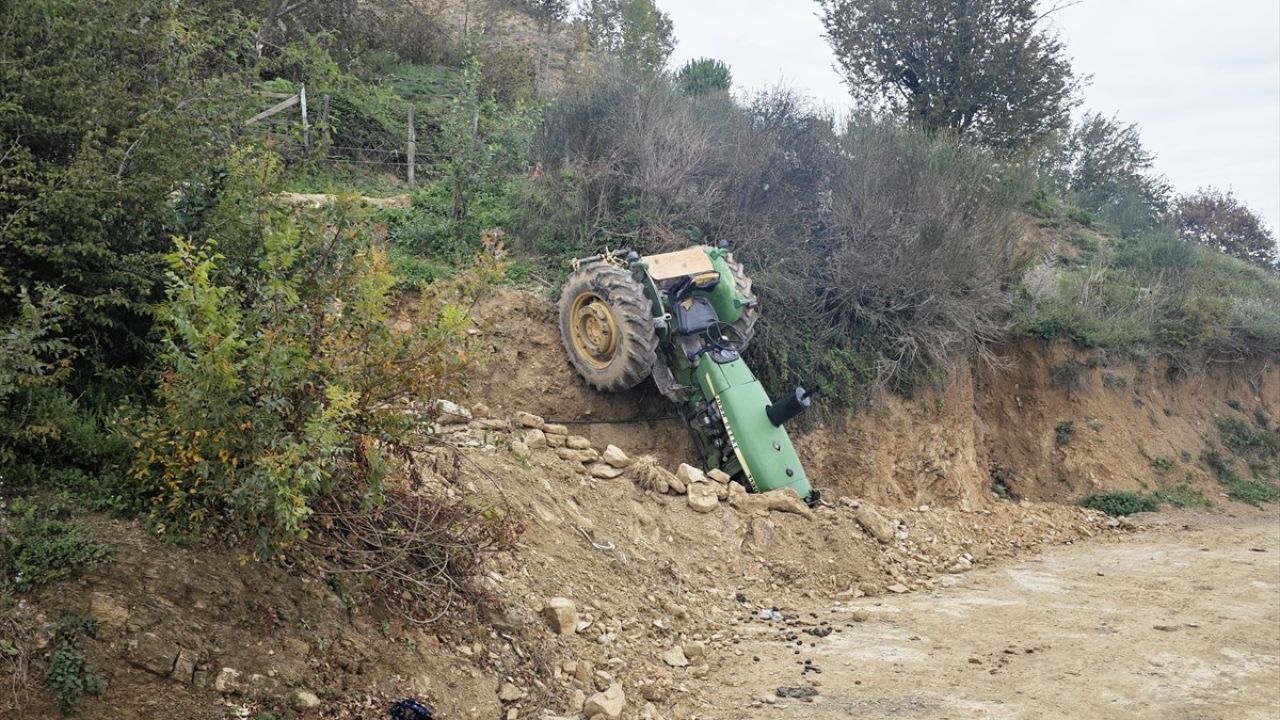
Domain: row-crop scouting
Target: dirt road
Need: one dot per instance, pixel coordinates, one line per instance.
(1177, 623)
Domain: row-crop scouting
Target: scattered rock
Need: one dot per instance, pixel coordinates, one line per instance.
(509, 693)
(675, 657)
(614, 456)
(696, 652)
(228, 681)
(520, 450)
(719, 476)
(553, 429)
(152, 653)
(490, 424)
(689, 474)
(109, 613)
(555, 441)
(745, 502)
(702, 497)
(797, 693)
(451, 413)
(535, 439)
(561, 615)
(786, 500)
(859, 615)
(875, 524)
(605, 472)
(676, 486)
(577, 699)
(608, 703)
(582, 456)
(530, 420)
(302, 700)
(760, 533)
(577, 442)
(898, 588)
(481, 410)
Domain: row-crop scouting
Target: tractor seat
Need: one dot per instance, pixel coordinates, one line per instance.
(693, 315)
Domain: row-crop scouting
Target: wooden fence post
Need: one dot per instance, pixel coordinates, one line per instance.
(412, 149)
(306, 126)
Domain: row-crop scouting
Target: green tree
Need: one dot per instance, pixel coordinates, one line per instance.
(705, 75)
(1103, 164)
(1221, 221)
(634, 30)
(984, 69)
(105, 109)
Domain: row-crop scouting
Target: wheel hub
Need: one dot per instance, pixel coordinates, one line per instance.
(593, 330)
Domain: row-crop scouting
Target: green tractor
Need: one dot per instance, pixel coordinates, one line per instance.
(684, 318)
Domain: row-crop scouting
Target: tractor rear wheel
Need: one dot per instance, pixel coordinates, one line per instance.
(746, 323)
(606, 325)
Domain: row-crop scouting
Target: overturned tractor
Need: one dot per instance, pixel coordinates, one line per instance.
(685, 318)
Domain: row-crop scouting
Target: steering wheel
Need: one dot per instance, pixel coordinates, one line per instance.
(724, 337)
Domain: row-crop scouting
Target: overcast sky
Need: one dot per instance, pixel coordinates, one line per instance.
(1201, 77)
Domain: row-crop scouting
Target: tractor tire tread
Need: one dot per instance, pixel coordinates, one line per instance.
(746, 323)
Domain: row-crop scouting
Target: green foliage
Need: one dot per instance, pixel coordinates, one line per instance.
(636, 31)
(102, 123)
(283, 373)
(1253, 491)
(431, 231)
(1162, 464)
(42, 546)
(1253, 441)
(1152, 294)
(1121, 503)
(1102, 165)
(69, 676)
(983, 69)
(1221, 221)
(704, 75)
(1063, 432)
(1182, 495)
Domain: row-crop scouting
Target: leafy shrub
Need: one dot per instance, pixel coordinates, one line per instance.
(1162, 464)
(704, 75)
(1120, 503)
(1249, 440)
(69, 676)
(1182, 495)
(39, 549)
(286, 371)
(1063, 432)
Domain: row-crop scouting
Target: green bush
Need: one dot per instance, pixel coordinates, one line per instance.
(1182, 495)
(1063, 432)
(1120, 503)
(38, 549)
(284, 375)
(69, 676)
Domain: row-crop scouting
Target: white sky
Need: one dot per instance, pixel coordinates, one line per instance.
(1200, 77)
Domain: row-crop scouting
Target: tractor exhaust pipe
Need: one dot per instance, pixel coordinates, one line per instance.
(789, 407)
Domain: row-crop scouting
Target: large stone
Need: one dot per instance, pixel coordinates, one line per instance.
(554, 429)
(451, 413)
(605, 472)
(577, 442)
(520, 450)
(689, 474)
(614, 456)
(786, 500)
(760, 533)
(675, 657)
(303, 700)
(702, 497)
(745, 502)
(228, 681)
(152, 653)
(561, 615)
(554, 441)
(509, 693)
(534, 439)
(875, 524)
(583, 456)
(490, 424)
(719, 476)
(530, 420)
(608, 703)
(107, 611)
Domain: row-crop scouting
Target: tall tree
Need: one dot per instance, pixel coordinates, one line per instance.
(634, 30)
(1218, 219)
(985, 69)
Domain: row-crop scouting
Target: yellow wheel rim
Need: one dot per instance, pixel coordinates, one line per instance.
(593, 330)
